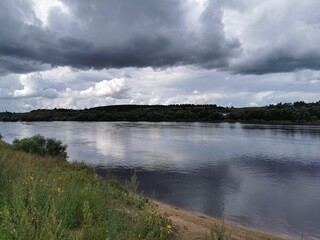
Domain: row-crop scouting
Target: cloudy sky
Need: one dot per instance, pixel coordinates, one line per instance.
(80, 54)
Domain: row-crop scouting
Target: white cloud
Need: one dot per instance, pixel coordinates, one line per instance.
(115, 88)
(30, 86)
(43, 7)
(69, 88)
(35, 86)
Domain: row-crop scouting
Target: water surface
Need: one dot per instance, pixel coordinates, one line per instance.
(262, 176)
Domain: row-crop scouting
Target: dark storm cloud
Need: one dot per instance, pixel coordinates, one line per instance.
(113, 33)
(141, 33)
(16, 65)
(278, 62)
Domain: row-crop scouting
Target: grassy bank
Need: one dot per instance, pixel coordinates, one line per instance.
(47, 198)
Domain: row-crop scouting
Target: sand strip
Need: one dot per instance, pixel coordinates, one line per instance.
(189, 225)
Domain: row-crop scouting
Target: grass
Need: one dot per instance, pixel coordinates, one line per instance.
(46, 198)
(218, 232)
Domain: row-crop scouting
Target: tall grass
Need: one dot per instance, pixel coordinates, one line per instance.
(43, 198)
(218, 231)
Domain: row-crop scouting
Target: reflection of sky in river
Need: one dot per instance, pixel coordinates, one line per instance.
(259, 175)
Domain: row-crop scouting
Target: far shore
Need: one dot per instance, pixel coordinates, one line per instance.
(288, 113)
(193, 225)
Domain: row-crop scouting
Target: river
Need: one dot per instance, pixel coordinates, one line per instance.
(261, 176)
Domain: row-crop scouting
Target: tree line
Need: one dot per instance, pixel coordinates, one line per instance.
(298, 112)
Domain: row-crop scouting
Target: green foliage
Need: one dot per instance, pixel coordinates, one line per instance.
(298, 112)
(1, 137)
(41, 198)
(133, 184)
(42, 146)
(184, 112)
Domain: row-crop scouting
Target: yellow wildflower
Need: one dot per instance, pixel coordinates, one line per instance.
(30, 178)
(152, 213)
(59, 190)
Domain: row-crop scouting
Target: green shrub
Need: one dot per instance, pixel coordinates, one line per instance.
(1, 136)
(41, 145)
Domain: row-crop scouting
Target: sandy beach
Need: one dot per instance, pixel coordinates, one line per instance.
(190, 225)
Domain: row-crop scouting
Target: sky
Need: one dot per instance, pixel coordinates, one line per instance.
(81, 54)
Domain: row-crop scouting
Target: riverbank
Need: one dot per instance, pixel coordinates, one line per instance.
(196, 226)
(43, 197)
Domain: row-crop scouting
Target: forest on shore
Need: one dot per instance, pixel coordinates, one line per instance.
(298, 112)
